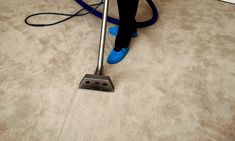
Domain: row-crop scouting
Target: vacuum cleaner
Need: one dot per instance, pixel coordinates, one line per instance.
(98, 81)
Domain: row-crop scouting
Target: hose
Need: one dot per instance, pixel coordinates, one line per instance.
(149, 22)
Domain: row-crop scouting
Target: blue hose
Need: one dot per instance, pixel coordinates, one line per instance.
(149, 22)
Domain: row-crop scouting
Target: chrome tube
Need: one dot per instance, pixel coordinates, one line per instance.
(99, 69)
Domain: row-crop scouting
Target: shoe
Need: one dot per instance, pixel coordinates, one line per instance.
(117, 56)
(114, 31)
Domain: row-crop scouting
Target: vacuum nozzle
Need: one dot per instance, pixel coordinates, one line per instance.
(97, 82)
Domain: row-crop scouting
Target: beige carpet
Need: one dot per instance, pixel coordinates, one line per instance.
(176, 84)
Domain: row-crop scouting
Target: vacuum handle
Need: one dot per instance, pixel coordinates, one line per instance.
(99, 69)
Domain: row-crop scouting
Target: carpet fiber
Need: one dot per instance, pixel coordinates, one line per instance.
(176, 84)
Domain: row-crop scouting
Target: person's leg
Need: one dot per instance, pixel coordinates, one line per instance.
(135, 8)
(127, 12)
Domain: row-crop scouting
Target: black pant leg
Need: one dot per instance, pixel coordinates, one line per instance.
(134, 12)
(127, 12)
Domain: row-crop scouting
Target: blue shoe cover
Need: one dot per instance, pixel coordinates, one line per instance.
(117, 56)
(114, 31)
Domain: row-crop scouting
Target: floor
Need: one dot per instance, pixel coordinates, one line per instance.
(176, 84)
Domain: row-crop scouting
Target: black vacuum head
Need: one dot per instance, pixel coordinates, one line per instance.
(97, 82)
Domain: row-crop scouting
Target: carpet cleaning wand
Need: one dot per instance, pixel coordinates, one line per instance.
(98, 81)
